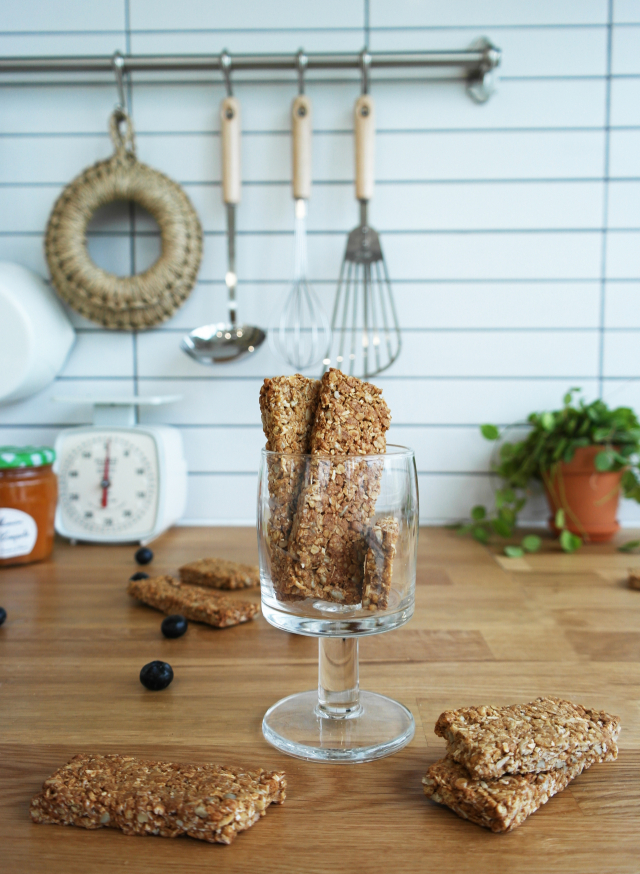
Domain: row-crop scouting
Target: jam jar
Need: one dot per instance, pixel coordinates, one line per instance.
(28, 496)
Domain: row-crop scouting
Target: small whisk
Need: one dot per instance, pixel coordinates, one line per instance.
(364, 324)
(300, 332)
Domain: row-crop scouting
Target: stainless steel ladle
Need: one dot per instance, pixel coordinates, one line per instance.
(227, 341)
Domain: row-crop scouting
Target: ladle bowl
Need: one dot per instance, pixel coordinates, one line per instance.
(221, 343)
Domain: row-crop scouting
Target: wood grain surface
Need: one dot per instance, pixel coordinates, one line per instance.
(74, 642)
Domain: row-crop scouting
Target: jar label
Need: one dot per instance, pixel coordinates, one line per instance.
(18, 533)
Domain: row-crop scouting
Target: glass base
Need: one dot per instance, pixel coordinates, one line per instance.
(378, 727)
(321, 619)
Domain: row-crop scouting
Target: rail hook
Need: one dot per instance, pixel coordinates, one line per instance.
(225, 66)
(302, 62)
(118, 68)
(365, 69)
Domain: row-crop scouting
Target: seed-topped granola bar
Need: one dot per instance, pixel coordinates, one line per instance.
(339, 493)
(200, 605)
(352, 417)
(287, 406)
(499, 805)
(218, 573)
(547, 734)
(378, 564)
(141, 797)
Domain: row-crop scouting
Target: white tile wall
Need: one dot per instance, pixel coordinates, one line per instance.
(511, 230)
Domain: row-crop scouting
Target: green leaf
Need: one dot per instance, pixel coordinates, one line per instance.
(604, 460)
(479, 512)
(531, 543)
(566, 400)
(559, 520)
(601, 435)
(507, 515)
(560, 448)
(514, 551)
(547, 421)
(501, 527)
(489, 432)
(629, 481)
(480, 534)
(629, 546)
(570, 542)
(507, 450)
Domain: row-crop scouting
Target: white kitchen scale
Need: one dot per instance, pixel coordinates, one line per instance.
(119, 482)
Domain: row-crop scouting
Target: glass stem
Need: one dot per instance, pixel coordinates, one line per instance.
(338, 684)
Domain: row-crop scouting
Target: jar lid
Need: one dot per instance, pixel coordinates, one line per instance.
(26, 456)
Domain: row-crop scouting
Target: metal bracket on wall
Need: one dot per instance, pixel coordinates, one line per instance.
(481, 81)
(479, 62)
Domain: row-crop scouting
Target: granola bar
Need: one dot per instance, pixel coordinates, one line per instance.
(201, 605)
(545, 735)
(218, 573)
(351, 419)
(499, 805)
(138, 797)
(378, 564)
(287, 407)
(339, 494)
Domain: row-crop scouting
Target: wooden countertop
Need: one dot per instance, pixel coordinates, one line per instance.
(485, 630)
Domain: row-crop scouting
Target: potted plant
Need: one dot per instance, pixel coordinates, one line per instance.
(584, 455)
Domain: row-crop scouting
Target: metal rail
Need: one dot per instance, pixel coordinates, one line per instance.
(479, 61)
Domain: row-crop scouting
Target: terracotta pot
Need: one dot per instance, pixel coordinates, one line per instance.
(588, 497)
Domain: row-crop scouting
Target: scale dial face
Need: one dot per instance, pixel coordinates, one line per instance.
(108, 484)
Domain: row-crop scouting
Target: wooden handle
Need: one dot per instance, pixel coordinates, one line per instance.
(364, 126)
(301, 131)
(230, 135)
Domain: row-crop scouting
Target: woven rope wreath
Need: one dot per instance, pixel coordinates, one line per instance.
(124, 302)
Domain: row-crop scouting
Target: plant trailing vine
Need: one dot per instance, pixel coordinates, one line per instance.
(553, 438)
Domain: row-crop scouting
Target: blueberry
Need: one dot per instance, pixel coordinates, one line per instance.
(139, 575)
(156, 675)
(144, 555)
(174, 626)
(3, 615)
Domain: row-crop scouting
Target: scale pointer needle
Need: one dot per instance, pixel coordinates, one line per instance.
(105, 476)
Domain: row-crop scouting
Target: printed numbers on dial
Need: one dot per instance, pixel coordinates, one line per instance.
(108, 483)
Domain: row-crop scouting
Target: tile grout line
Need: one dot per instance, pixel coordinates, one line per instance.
(605, 201)
(367, 23)
(132, 208)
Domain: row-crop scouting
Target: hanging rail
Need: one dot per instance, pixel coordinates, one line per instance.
(479, 61)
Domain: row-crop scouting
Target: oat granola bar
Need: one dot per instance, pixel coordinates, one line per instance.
(499, 805)
(547, 734)
(378, 564)
(138, 797)
(339, 493)
(287, 406)
(218, 573)
(201, 605)
(352, 417)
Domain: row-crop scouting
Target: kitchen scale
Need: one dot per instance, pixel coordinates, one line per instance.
(119, 482)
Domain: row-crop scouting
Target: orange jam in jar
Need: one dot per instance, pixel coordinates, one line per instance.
(28, 497)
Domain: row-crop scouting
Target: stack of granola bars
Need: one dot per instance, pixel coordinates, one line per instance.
(322, 539)
(503, 763)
